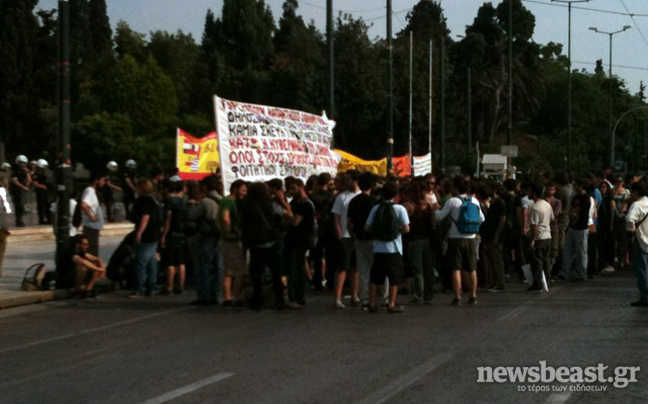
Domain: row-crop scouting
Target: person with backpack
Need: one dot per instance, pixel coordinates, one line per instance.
(386, 222)
(466, 215)
(173, 241)
(359, 209)
(301, 235)
(209, 260)
(260, 227)
(147, 216)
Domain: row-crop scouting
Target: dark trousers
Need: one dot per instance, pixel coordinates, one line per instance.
(592, 254)
(259, 259)
(19, 206)
(494, 264)
(605, 243)
(43, 206)
(297, 275)
(541, 261)
(513, 246)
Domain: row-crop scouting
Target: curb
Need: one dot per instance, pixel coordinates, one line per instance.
(21, 235)
(25, 298)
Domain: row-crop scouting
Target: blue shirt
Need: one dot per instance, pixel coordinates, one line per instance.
(396, 245)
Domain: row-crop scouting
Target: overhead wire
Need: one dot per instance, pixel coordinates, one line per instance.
(597, 10)
(635, 22)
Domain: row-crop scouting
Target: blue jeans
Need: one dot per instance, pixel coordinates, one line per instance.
(209, 270)
(575, 249)
(146, 267)
(640, 264)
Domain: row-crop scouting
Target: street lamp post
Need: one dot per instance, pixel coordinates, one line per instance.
(610, 34)
(569, 81)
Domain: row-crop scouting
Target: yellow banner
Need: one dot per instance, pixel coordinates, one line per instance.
(351, 162)
(196, 158)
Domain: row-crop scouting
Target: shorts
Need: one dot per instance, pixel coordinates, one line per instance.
(346, 254)
(82, 276)
(233, 258)
(462, 254)
(387, 265)
(174, 252)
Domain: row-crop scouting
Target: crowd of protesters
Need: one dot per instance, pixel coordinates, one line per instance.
(372, 238)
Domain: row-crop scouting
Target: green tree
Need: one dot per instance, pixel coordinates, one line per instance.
(298, 66)
(18, 100)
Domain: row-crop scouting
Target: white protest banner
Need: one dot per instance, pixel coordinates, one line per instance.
(423, 165)
(258, 142)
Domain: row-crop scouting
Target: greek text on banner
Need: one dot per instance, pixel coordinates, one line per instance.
(258, 143)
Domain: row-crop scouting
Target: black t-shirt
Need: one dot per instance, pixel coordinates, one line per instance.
(420, 223)
(323, 201)
(176, 206)
(512, 202)
(128, 191)
(494, 214)
(299, 235)
(359, 209)
(147, 205)
(20, 174)
(579, 212)
(41, 177)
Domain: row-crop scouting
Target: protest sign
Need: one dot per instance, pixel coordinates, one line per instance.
(258, 142)
(423, 165)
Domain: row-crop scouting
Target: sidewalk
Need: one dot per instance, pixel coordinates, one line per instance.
(31, 245)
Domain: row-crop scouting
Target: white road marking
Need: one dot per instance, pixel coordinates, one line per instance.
(188, 389)
(524, 307)
(406, 380)
(91, 330)
(21, 310)
(558, 398)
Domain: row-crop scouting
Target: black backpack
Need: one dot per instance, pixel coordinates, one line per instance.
(385, 226)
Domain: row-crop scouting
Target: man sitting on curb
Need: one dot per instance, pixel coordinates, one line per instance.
(83, 266)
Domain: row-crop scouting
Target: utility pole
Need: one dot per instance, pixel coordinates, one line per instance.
(64, 163)
(390, 133)
(610, 34)
(329, 38)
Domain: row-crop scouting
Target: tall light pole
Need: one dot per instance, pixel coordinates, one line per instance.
(610, 34)
(390, 133)
(569, 81)
(329, 38)
(63, 161)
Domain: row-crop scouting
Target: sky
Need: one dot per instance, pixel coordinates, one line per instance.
(630, 48)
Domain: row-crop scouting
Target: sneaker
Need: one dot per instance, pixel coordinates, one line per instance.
(135, 295)
(472, 301)
(396, 309)
(355, 302)
(339, 305)
(496, 289)
(639, 303)
(456, 302)
(294, 305)
(608, 269)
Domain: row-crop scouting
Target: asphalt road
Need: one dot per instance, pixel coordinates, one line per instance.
(157, 350)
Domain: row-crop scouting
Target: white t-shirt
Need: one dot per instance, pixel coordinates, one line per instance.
(73, 204)
(341, 207)
(637, 216)
(541, 216)
(452, 207)
(431, 198)
(394, 246)
(90, 198)
(527, 203)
